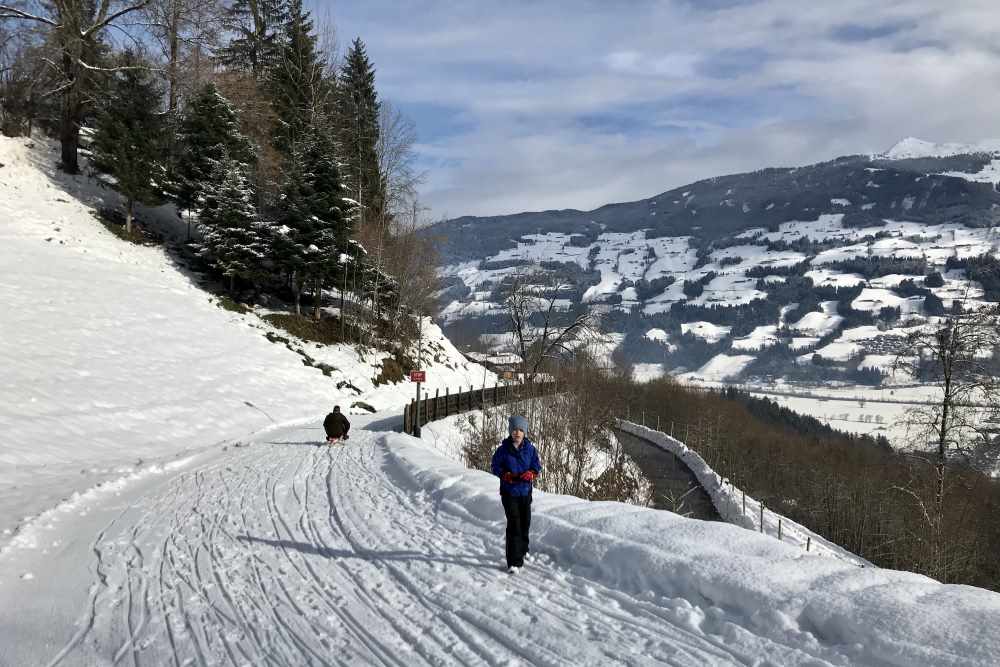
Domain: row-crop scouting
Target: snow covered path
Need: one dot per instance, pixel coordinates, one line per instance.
(287, 553)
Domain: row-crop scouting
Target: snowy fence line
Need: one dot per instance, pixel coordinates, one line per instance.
(734, 505)
(428, 409)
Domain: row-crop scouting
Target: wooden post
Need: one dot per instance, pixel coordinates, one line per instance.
(437, 392)
(744, 503)
(779, 528)
(762, 516)
(644, 416)
(672, 430)
(406, 419)
(657, 421)
(447, 393)
(808, 542)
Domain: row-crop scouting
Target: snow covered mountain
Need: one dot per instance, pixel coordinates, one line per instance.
(911, 147)
(813, 273)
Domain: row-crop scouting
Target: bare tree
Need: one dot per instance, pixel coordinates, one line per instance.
(76, 26)
(25, 77)
(574, 433)
(956, 356)
(541, 329)
(411, 258)
(394, 150)
(183, 29)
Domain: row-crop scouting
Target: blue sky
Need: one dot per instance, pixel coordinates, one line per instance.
(536, 105)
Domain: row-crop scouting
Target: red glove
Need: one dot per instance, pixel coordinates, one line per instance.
(508, 477)
(528, 476)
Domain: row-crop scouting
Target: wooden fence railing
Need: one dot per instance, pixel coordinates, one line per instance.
(439, 406)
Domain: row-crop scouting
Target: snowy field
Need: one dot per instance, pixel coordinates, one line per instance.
(871, 411)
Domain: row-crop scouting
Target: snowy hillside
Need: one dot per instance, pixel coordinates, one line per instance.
(815, 275)
(115, 361)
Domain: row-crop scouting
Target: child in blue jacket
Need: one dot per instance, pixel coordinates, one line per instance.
(516, 463)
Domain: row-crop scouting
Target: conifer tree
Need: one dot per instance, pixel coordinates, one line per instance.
(315, 222)
(209, 131)
(296, 80)
(128, 137)
(358, 108)
(234, 239)
(257, 45)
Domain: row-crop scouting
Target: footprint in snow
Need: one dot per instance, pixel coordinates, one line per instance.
(27, 576)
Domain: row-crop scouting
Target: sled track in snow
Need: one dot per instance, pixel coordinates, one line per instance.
(282, 554)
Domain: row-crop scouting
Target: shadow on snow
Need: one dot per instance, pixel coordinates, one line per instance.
(373, 555)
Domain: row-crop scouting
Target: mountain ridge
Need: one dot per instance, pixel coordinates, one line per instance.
(874, 187)
(812, 273)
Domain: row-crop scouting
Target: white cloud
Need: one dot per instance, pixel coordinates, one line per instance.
(608, 102)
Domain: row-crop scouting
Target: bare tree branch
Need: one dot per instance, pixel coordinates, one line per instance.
(7, 12)
(101, 23)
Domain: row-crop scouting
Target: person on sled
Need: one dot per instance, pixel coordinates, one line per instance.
(517, 465)
(336, 425)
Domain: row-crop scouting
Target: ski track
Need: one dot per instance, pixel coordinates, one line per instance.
(285, 554)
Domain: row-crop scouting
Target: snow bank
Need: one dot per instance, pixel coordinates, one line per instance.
(881, 616)
(729, 500)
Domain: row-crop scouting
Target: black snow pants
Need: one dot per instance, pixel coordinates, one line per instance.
(518, 511)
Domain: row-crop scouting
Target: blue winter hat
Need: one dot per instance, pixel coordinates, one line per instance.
(517, 422)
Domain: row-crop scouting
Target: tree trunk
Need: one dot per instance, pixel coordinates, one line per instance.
(174, 30)
(354, 288)
(129, 207)
(343, 308)
(69, 139)
(297, 288)
(316, 299)
(173, 34)
(69, 119)
(232, 284)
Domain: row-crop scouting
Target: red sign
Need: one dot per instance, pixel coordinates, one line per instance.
(418, 376)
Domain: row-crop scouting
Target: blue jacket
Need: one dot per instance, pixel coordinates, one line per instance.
(508, 459)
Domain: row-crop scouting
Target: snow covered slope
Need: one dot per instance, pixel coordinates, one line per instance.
(382, 552)
(911, 147)
(114, 359)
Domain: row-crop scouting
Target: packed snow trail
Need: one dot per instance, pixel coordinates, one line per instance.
(285, 552)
